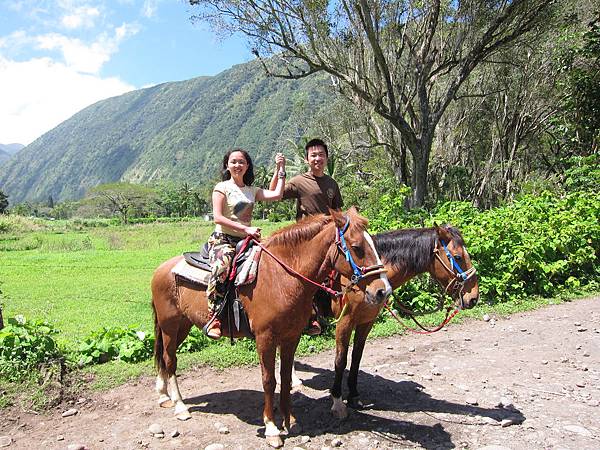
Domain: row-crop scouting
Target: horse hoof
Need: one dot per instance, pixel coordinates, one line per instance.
(167, 404)
(274, 441)
(294, 428)
(355, 403)
(339, 409)
(183, 416)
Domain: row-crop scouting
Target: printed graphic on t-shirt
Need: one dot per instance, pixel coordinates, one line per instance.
(242, 206)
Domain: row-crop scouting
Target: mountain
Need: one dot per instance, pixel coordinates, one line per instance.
(7, 150)
(175, 131)
(11, 149)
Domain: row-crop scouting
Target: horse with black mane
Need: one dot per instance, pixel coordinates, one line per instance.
(406, 253)
(278, 303)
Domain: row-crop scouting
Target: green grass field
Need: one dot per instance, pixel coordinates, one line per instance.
(83, 280)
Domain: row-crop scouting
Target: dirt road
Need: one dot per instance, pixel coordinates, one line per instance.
(530, 381)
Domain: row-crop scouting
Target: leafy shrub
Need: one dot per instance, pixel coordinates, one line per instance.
(126, 344)
(538, 245)
(195, 341)
(25, 346)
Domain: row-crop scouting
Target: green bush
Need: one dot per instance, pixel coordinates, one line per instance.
(541, 245)
(25, 346)
(126, 344)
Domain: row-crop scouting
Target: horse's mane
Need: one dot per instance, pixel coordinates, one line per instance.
(304, 230)
(412, 248)
(309, 227)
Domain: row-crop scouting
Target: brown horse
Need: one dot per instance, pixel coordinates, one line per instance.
(405, 253)
(278, 304)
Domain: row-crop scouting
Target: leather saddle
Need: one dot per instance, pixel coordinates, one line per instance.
(200, 259)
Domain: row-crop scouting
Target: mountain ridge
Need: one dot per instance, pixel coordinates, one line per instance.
(172, 131)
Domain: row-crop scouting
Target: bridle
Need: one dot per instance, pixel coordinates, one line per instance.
(358, 273)
(456, 285)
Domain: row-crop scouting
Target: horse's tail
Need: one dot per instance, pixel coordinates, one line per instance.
(159, 361)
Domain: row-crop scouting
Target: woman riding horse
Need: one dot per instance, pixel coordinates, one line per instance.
(278, 303)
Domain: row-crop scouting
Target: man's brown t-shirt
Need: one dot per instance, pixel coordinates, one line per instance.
(314, 195)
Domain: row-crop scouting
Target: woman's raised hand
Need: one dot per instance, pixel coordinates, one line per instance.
(280, 161)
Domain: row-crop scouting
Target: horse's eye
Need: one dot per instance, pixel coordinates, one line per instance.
(458, 257)
(358, 250)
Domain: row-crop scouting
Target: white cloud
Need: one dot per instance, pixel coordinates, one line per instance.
(81, 17)
(39, 94)
(149, 8)
(82, 57)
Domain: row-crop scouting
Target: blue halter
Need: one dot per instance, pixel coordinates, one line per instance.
(455, 265)
(357, 271)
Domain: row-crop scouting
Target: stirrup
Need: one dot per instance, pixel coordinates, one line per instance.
(314, 328)
(212, 329)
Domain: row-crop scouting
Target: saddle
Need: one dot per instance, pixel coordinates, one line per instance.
(195, 268)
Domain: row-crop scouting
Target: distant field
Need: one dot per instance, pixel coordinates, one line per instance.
(84, 279)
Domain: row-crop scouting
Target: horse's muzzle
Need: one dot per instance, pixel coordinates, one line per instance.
(378, 296)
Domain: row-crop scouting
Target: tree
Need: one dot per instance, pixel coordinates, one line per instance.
(407, 61)
(3, 202)
(124, 199)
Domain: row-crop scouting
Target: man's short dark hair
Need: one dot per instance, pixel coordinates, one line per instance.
(315, 143)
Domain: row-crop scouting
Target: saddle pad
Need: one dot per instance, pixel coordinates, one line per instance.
(190, 273)
(247, 272)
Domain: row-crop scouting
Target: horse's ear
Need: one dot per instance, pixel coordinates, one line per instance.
(443, 234)
(338, 217)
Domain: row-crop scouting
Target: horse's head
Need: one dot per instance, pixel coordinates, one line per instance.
(452, 267)
(356, 257)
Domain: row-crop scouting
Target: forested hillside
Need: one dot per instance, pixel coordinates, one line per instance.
(176, 131)
(7, 150)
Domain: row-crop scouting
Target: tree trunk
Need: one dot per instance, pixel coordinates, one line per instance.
(1, 319)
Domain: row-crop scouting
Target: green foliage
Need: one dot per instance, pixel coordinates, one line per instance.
(25, 346)
(3, 202)
(583, 174)
(577, 125)
(534, 246)
(537, 245)
(127, 344)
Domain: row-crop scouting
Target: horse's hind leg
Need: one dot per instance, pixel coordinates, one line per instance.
(343, 331)
(177, 333)
(360, 337)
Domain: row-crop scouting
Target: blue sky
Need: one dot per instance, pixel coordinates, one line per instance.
(59, 56)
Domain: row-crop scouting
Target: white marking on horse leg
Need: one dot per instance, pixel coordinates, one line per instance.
(164, 400)
(271, 429)
(338, 408)
(296, 381)
(181, 410)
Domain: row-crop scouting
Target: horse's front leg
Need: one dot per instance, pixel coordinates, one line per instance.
(287, 351)
(343, 331)
(266, 352)
(360, 337)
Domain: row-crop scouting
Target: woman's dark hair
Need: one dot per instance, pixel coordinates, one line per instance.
(248, 176)
(315, 143)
